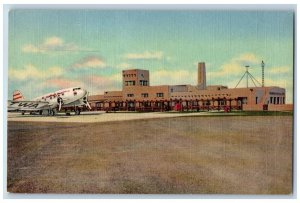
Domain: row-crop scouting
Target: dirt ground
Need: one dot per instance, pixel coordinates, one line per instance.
(184, 155)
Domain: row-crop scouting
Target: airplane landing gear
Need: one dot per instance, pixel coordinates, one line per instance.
(51, 112)
(77, 112)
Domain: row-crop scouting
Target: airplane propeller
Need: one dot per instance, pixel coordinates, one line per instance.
(60, 102)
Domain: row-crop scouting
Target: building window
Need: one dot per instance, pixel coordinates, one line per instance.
(130, 95)
(271, 100)
(145, 95)
(143, 82)
(130, 83)
(256, 100)
(159, 94)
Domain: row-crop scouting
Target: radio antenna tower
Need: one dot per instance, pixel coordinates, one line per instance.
(248, 74)
(262, 73)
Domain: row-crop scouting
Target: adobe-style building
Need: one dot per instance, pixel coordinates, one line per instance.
(138, 95)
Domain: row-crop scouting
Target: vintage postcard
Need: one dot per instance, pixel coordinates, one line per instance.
(150, 101)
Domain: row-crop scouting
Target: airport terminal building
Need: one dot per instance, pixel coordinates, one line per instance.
(138, 95)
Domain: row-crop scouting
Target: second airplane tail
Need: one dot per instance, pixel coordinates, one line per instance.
(17, 96)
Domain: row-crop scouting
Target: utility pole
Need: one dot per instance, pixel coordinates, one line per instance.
(247, 74)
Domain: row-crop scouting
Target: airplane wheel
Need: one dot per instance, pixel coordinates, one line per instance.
(23, 112)
(51, 113)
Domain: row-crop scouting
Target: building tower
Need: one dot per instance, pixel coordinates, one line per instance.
(201, 76)
(135, 77)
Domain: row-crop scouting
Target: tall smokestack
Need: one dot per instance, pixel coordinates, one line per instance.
(201, 76)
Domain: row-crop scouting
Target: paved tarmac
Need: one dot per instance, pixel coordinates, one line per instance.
(182, 155)
(101, 116)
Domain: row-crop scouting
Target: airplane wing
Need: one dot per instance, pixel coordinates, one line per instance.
(27, 105)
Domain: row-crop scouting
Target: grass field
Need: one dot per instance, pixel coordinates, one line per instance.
(184, 155)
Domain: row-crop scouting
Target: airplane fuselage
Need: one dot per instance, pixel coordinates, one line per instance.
(68, 96)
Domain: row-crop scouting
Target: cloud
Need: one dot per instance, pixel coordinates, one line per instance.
(55, 71)
(98, 80)
(90, 62)
(29, 48)
(172, 77)
(97, 84)
(61, 82)
(279, 70)
(50, 44)
(125, 66)
(236, 66)
(31, 72)
(288, 84)
(228, 70)
(158, 55)
(247, 59)
(54, 42)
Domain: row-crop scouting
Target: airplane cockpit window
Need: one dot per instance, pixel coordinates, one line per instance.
(78, 88)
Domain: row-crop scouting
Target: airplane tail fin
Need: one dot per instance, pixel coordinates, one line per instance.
(17, 96)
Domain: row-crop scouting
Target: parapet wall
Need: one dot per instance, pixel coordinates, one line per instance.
(281, 107)
(271, 107)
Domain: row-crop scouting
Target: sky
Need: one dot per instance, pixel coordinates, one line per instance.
(55, 49)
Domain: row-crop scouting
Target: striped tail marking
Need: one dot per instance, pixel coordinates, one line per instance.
(17, 96)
